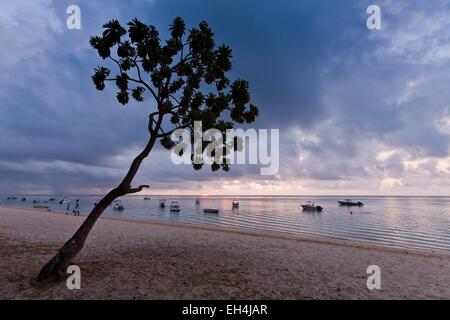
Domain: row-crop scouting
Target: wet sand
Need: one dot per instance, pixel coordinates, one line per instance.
(155, 260)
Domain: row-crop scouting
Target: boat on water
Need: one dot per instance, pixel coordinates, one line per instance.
(37, 204)
(175, 206)
(235, 204)
(349, 203)
(40, 205)
(24, 199)
(311, 206)
(197, 201)
(206, 210)
(39, 201)
(11, 198)
(51, 199)
(162, 203)
(147, 198)
(117, 205)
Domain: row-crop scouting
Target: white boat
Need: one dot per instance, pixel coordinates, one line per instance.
(39, 201)
(206, 210)
(235, 204)
(311, 206)
(97, 202)
(40, 204)
(117, 205)
(175, 206)
(162, 203)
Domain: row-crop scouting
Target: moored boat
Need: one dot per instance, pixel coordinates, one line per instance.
(40, 204)
(117, 205)
(311, 206)
(175, 206)
(206, 210)
(349, 203)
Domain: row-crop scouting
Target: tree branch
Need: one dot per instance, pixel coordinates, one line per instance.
(173, 97)
(118, 64)
(138, 189)
(143, 82)
(167, 134)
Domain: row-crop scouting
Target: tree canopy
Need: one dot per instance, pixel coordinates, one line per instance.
(186, 76)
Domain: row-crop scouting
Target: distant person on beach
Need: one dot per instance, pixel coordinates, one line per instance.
(68, 207)
(76, 210)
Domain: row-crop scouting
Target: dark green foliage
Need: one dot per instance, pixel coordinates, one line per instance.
(99, 77)
(185, 75)
(137, 93)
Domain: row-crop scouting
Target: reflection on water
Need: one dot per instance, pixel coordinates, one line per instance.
(415, 222)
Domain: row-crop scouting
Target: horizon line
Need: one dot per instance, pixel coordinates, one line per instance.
(227, 195)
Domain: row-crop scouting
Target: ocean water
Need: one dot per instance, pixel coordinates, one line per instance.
(409, 222)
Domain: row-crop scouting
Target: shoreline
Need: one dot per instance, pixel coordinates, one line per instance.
(133, 259)
(265, 233)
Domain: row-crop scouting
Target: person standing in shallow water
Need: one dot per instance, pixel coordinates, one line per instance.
(68, 207)
(76, 210)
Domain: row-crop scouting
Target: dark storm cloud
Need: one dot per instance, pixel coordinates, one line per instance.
(339, 93)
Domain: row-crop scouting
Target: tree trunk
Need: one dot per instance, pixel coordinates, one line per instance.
(59, 263)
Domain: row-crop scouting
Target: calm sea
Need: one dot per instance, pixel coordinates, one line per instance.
(410, 222)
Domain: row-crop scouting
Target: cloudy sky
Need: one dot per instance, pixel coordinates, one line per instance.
(359, 111)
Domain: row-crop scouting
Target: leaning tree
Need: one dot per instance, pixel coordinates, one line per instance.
(186, 79)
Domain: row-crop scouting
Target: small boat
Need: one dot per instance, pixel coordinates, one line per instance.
(39, 201)
(117, 205)
(162, 203)
(235, 204)
(147, 198)
(97, 202)
(197, 201)
(349, 203)
(311, 206)
(51, 199)
(210, 210)
(11, 198)
(40, 205)
(37, 204)
(175, 206)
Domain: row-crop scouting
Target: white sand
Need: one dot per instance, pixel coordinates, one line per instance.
(146, 260)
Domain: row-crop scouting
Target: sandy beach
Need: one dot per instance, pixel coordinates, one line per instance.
(155, 260)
